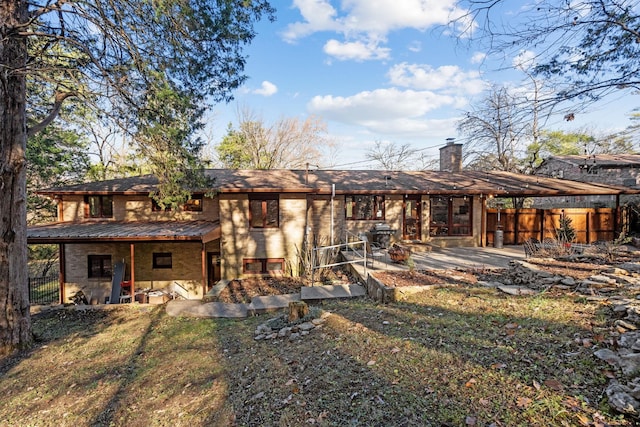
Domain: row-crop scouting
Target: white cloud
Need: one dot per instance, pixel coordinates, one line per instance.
(378, 104)
(318, 15)
(524, 60)
(478, 57)
(447, 78)
(266, 89)
(355, 50)
(369, 21)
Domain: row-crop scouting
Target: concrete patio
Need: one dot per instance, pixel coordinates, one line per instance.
(447, 258)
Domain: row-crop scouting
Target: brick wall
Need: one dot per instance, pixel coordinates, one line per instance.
(139, 208)
(240, 241)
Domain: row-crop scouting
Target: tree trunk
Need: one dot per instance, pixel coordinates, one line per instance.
(297, 310)
(15, 321)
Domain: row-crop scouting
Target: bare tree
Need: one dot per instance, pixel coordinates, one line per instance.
(289, 143)
(589, 48)
(495, 130)
(391, 156)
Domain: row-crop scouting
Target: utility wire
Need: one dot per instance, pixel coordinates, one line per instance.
(370, 161)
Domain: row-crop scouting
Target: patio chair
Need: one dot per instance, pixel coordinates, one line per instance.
(373, 251)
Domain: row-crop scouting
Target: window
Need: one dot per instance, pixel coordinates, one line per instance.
(364, 207)
(450, 216)
(99, 266)
(264, 212)
(263, 265)
(194, 204)
(98, 206)
(162, 260)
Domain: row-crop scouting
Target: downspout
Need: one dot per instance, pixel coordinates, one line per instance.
(483, 221)
(333, 195)
(203, 262)
(617, 225)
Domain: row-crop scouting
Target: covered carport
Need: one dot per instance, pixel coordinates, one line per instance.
(133, 234)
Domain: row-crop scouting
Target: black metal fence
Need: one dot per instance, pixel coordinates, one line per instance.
(44, 290)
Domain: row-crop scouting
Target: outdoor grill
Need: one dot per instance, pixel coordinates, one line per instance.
(381, 234)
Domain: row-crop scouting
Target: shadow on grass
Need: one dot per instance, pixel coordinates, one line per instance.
(493, 364)
(448, 357)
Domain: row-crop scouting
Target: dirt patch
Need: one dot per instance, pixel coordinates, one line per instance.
(400, 279)
(241, 291)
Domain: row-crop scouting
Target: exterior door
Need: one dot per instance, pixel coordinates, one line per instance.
(411, 224)
(213, 269)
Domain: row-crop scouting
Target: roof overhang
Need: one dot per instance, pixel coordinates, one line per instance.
(124, 231)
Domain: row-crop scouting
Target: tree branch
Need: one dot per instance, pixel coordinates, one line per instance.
(59, 99)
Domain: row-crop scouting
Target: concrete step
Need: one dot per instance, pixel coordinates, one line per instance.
(270, 303)
(319, 293)
(194, 308)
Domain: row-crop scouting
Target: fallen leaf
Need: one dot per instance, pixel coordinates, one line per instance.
(395, 350)
(371, 362)
(290, 382)
(609, 374)
(583, 419)
(511, 326)
(484, 402)
(554, 384)
(470, 383)
(536, 385)
(572, 403)
(498, 365)
(523, 402)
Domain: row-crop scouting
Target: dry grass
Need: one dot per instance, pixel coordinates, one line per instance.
(448, 357)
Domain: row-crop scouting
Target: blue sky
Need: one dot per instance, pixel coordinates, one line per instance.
(378, 70)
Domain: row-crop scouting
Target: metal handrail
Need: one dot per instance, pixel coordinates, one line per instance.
(349, 246)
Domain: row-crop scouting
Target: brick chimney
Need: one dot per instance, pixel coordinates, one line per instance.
(451, 157)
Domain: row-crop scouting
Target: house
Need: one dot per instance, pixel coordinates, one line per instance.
(608, 169)
(260, 222)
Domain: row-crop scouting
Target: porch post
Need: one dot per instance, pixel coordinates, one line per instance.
(483, 221)
(616, 223)
(61, 272)
(133, 274)
(203, 263)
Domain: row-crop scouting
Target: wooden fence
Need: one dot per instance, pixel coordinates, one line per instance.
(518, 225)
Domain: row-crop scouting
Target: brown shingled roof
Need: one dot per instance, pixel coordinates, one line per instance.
(603, 160)
(362, 181)
(121, 231)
